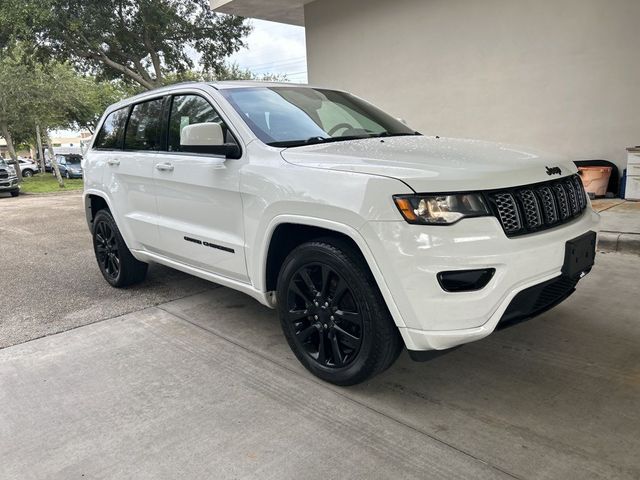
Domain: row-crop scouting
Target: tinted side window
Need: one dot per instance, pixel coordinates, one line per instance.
(189, 110)
(143, 129)
(112, 131)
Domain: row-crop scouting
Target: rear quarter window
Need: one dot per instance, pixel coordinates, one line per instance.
(112, 131)
(143, 128)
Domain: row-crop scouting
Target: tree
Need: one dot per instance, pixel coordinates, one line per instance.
(12, 88)
(228, 71)
(45, 97)
(142, 41)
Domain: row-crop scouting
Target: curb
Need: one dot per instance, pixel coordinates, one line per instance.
(619, 242)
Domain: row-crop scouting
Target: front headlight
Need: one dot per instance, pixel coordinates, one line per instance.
(440, 209)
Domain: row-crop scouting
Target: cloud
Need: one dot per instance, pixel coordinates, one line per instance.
(274, 48)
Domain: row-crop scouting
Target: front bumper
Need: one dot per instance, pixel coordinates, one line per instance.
(410, 257)
(9, 184)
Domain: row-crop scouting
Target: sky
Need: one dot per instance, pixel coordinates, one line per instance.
(274, 48)
(271, 48)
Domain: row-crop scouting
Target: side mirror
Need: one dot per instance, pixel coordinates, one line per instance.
(207, 138)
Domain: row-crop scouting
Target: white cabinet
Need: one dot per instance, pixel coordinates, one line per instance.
(632, 188)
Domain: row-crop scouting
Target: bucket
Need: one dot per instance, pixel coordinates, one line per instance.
(595, 179)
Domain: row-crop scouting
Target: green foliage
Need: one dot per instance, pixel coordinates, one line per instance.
(139, 40)
(226, 72)
(52, 95)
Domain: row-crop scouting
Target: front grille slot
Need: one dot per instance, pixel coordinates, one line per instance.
(532, 208)
(549, 205)
(508, 212)
(4, 174)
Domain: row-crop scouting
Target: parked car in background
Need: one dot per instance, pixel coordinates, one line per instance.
(70, 165)
(364, 234)
(27, 167)
(8, 179)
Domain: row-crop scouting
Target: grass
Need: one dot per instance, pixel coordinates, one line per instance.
(45, 182)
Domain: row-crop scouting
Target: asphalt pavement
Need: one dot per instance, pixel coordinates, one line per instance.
(178, 378)
(49, 279)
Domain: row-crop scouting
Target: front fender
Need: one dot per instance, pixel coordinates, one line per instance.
(262, 253)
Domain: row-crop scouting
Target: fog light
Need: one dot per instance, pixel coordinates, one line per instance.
(465, 280)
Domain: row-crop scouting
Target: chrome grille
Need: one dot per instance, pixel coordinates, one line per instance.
(4, 174)
(531, 208)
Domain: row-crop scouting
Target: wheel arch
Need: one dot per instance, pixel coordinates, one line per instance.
(286, 232)
(94, 201)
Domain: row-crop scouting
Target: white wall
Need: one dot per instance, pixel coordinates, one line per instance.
(561, 75)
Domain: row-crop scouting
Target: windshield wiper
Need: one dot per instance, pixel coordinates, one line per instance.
(316, 140)
(403, 134)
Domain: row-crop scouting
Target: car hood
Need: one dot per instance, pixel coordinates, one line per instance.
(432, 164)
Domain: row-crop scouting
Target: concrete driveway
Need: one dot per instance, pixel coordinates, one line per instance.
(204, 386)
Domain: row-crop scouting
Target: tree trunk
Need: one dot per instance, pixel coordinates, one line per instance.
(54, 164)
(4, 129)
(40, 150)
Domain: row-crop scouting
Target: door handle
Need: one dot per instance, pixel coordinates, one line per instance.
(164, 167)
(113, 162)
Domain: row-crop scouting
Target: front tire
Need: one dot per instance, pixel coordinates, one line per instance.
(15, 193)
(27, 173)
(333, 315)
(118, 266)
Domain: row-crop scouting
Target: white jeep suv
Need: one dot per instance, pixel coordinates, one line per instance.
(364, 234)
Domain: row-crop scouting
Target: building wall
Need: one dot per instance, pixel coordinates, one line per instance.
(561, 75)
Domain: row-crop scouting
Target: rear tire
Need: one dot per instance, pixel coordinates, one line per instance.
(333, 314)
(118, 266)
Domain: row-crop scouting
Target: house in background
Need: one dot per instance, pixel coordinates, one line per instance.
(559, 75)
(4, 150)
(72, 142)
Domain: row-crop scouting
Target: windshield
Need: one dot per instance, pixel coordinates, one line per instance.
(294, 116)
(73, 160)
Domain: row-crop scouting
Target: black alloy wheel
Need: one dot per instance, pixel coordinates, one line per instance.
(325, 315)
(118, 265)
(107, 249)
(333, 315)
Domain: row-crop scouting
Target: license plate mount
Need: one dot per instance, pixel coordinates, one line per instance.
(579, 255)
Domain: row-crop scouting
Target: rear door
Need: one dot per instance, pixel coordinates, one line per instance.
(200, 219)
(129, 174)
